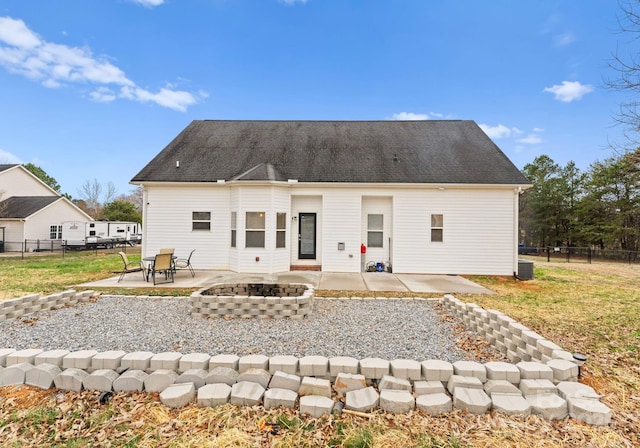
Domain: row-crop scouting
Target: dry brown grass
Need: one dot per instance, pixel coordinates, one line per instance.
(588, 308)
(592, 309)
(69, 419)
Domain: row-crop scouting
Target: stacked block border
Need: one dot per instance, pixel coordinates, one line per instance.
(516, 341)
(245, 300)
(312, 383)
(540, 380)
(30, 304)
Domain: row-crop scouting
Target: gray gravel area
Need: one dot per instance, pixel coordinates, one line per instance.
(389, 329)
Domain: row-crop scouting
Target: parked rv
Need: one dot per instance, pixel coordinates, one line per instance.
(100, 234)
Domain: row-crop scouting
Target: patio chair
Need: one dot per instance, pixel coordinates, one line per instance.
(185, 263)
(130, 267)
(162, 264)
(167, 250)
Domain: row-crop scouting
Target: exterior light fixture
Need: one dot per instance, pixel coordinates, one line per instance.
(580, 360)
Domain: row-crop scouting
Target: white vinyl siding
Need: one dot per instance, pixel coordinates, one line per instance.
(341, 210)
(38, 225)
(18, 182)
(478, 226)
(168, 223)
(269, 200)
(478, 232)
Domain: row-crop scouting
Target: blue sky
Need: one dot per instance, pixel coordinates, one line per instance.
(95, 89)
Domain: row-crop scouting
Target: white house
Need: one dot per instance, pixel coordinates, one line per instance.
(31, 210)
(271, 196)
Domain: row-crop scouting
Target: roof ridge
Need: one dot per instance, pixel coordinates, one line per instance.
(325, 121)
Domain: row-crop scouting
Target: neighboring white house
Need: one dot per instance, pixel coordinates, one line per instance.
(31, 210)
(272, 196)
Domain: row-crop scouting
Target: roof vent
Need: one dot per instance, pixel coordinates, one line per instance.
(177, 164)
(395, 157)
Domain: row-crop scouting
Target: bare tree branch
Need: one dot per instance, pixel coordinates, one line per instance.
(626, 79)
(95, 196)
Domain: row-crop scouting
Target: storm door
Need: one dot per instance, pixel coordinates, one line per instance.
(307, 236)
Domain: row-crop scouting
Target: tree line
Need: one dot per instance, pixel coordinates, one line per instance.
(597, 208)
(101, 202)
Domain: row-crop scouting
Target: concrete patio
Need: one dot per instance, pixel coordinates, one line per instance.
(366, 281)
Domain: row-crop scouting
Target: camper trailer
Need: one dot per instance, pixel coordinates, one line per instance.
(100, 234)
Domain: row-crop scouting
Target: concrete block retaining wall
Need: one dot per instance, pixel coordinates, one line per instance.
(543, 383)
(26, 305)
(248, 300)
(514, 340)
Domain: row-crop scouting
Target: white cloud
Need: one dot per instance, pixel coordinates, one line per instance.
(410, 116)
(54, 65)
(569, 91)
(16, 33)
(173, 99)
(564, 39)
(103, 95)
(149, 3)
(500, 131)
(531, 139)
(7, 157)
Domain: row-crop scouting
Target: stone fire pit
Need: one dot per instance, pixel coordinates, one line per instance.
(253, 300)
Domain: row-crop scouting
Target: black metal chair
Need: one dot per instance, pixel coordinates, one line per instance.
(185, 263)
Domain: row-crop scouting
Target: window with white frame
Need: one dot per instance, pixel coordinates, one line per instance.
(55, 232)
(281, 230)
(234, 223)
(201, 221)
(375, 230)
(437, 228)
(255, 229)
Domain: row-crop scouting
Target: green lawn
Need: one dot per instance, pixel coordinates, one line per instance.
(50, 273)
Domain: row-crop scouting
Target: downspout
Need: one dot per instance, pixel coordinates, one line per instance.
(516, 231)
(143, 225)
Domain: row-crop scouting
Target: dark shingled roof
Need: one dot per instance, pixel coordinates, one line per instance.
(24, 206)
(6, 167)
(448, 151)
